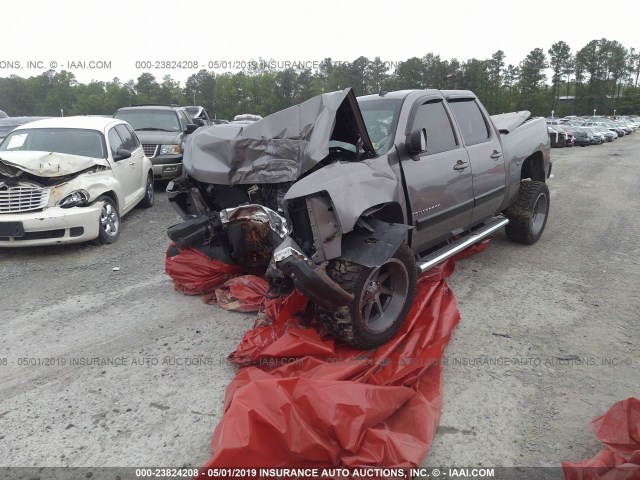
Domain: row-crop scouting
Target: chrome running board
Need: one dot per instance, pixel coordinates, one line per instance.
(440, 255)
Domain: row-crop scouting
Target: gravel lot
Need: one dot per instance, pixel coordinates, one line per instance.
(547, 340)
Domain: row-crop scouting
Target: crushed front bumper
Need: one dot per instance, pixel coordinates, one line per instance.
(309, 278)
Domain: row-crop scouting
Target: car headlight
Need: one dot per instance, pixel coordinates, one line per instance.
(77, 198)
(169, 149)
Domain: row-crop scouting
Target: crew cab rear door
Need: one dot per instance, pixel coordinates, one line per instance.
(485, 154)
(438, 180)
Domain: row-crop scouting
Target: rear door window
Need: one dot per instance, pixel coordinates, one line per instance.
(471, 121)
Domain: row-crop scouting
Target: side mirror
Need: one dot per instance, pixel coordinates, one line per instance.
(122, 154)
(198, 121)
(191, 127)
(418, 141)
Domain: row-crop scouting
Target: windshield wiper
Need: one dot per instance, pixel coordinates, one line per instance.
(153, 129)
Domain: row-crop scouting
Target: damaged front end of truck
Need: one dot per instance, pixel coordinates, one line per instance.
(304, 194)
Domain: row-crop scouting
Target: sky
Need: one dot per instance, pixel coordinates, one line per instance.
(103, 40)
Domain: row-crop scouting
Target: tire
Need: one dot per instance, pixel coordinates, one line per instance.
(528, 216)
(147, 200)
(378, 309)
(109, 226)
(172, 251)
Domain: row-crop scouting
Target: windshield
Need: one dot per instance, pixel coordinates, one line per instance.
(380, 117)
(72, 141)
(159, 120)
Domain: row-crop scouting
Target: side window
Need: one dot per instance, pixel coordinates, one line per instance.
(182, 118)
(133, 138)
(472, 123)
(187, 119)
(127, 138)
(133, 134)
(115, 142)
(433, 117)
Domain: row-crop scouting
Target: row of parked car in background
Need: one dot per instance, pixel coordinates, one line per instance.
(70, 179)
(584, 131)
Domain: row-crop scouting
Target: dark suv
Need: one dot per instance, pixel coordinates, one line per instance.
(162, 131)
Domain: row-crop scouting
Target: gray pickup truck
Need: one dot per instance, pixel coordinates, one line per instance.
(349, 199)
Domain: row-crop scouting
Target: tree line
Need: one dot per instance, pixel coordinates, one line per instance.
(603, 76)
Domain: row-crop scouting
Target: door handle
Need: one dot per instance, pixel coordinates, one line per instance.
(132, 163)
(495, 155)
(460, 165)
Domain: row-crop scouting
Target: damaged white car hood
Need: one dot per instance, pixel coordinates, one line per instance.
(46, 164)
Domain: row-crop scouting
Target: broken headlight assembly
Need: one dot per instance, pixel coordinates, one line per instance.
(77, 198)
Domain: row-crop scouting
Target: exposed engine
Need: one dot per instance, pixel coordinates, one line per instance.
(219, 197)
(219, 228)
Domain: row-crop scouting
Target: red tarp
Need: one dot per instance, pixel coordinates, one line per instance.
(619, 430)
(301, 400)
(193, 273)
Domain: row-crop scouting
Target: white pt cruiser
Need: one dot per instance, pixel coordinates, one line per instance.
(69, 180)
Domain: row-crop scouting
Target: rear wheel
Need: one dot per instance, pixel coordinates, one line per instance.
(382, 298)
(528, 216)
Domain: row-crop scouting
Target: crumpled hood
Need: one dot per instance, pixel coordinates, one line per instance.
(46, 164)
(278, 148)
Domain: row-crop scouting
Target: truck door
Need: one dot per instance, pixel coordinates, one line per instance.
(485, 154)
(438, 180)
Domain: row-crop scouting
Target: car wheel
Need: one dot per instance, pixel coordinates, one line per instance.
(528, 216)
(382, 298)
(109, 228)
(149, 197)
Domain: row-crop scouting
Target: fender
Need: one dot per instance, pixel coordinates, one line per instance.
(353, 188)
(372, 249)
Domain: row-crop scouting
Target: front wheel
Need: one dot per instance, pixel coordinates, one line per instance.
(147, 201)
(382, 298)
(528, 216)
(109, 228)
